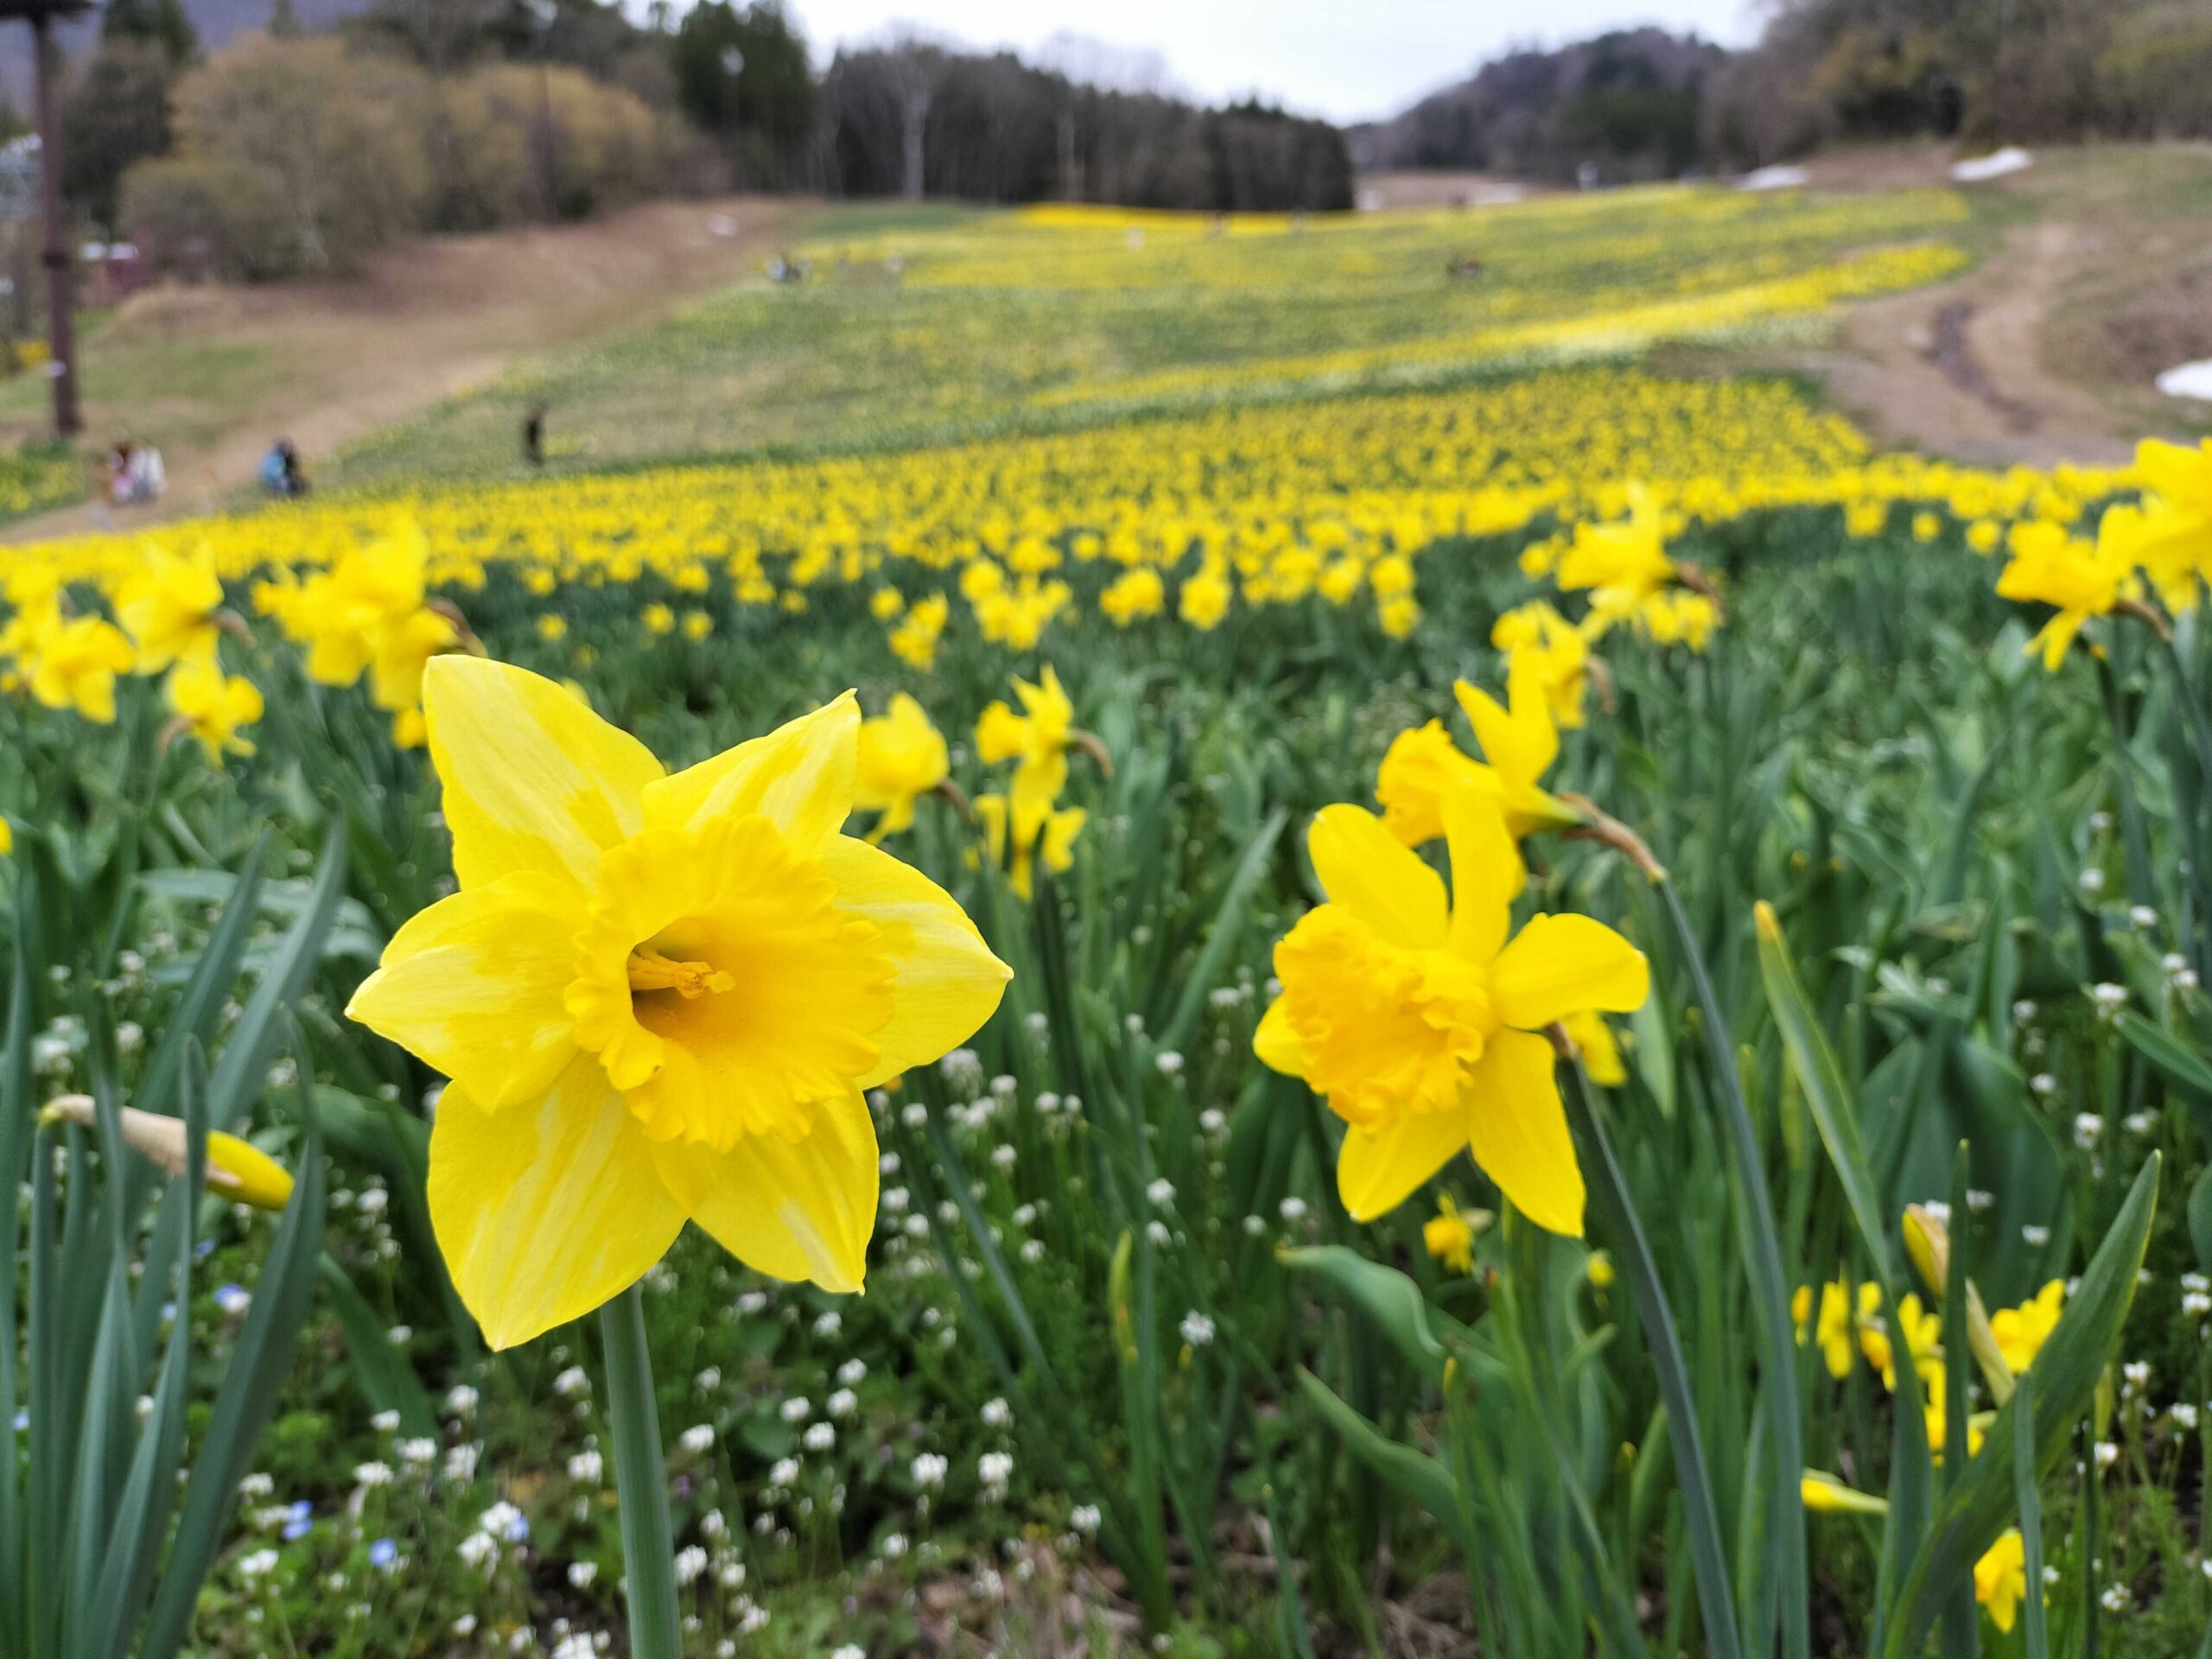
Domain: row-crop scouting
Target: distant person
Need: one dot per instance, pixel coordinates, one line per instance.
(533, 435)
(118, 473)
(146, 475)
(281, 475)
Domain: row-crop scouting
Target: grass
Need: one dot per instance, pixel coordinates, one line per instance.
(1129, 1375)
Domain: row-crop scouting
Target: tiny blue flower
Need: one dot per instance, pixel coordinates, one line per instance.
(383, 1554)
(22, 1422)
(205, 1248)
(299, 1520)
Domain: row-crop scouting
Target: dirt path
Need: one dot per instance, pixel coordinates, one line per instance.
(214, 374)
(1956, 370)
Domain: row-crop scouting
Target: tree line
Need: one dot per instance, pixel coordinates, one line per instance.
(1645, 104)
(294, 148)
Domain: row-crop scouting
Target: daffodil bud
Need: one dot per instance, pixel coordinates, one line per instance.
(1928, 1241)
(1823, 1494)
(237, 1169)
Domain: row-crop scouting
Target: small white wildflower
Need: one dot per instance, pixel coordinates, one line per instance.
(574, 1380)
(1197, 1329)
(2142, 916)
(699, 1437)
(587, 1467)
(581, 1573)
(784, 1472)
(819, 1437)
(797, 1409)
(2107, 1454)
(852, 1371)
(2093, 880)
(1085, 1518)
(2088, 1129)
(372, 1474)
(929, 1469)
(2031, 1233)
(995, 1413)
(690, 1562)
(1161, 1192)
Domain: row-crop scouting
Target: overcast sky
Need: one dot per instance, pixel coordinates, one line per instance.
(1349, 59)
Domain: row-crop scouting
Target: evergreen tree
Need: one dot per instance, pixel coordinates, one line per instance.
(155, 23)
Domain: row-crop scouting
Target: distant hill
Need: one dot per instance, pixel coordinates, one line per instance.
(1626, 103)
(217, 20)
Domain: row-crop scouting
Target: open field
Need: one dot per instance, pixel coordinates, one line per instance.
(1465, 975)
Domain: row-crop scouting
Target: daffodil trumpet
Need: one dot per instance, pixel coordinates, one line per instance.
(237, 1169)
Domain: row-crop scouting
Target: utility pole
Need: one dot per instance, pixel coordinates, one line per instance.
(54, 227)
(60, 267)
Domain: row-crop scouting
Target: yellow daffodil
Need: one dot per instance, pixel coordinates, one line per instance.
(1832, 1329)
(1422, 767)
(913, 642)
(1134, 593)
(1037, 739)
(2050, 566)
(1418, 1022)
(1558, 655)
(658, 996)
(902, 757)
(1449, 1236)
(1600, 1050)
(658, 619)
(1036, 828)
(1205, 596)
(76, 665)
(169, 607)
(2000, 1578)
(1922, 1327)
(1621, 564)
(213, 706)
(2021, 1332)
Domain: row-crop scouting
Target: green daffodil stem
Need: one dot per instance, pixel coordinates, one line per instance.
(1762, 1247)
(1616, 1218)
(2192, 710)
(640, 1482)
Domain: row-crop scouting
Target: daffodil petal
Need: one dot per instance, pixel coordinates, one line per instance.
(1559, 965)
(1520, 743)
(945, 979)
(1517, 1127)
(1487, 874)
(548, 1209)
(1276, 1043)
(1367, 870)
(472, 986)
(792, 1209)
(800, 776)
(533, 779)
(1378, 1169)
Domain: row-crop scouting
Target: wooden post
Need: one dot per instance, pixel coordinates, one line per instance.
(60, 267)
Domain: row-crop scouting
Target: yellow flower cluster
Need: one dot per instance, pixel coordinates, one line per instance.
(1190, 517)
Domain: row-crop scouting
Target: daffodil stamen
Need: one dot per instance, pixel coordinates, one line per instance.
(651, 971)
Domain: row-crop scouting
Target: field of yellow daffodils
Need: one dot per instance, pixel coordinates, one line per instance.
(1363, 978)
